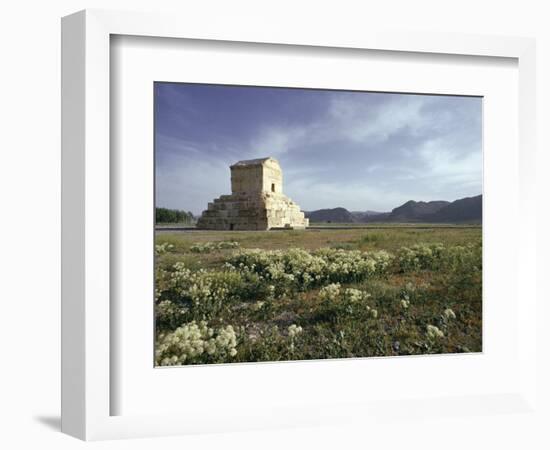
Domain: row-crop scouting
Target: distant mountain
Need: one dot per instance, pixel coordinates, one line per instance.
(338, 215)
(469, 209)
(465, 210)
(413, 211)
(363, 216)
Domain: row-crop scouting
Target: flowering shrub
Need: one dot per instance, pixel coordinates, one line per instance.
(294, 330)
(433, 332)
(354, 295)
(464, 258)
(207, 247)
(160, 249)
(340, 303)
(419, 257)
(170, 315)
(330, 292)
(437, 257)
(299, 269)
(195, 343)
(203, 293)
(449, 314)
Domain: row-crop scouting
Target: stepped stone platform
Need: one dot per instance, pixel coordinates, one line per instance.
(256, 201)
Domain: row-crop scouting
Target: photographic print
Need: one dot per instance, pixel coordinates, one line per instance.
(308, 224)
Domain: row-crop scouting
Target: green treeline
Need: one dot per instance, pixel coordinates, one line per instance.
(165, 215)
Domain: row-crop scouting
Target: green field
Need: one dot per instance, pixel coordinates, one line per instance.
(315, 294)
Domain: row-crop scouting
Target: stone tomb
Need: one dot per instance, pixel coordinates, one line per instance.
(256, 201)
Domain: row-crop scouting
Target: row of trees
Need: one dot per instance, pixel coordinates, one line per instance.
(165, 215)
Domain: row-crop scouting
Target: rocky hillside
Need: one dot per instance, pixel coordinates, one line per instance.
(464, 210)
(467, 209)
(415, 211)
(338, 215)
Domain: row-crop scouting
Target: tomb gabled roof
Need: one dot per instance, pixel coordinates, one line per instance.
(252, 162)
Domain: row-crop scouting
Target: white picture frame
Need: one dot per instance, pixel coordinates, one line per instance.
(86, 222)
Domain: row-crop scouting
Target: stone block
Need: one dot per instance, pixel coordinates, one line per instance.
(256, 202)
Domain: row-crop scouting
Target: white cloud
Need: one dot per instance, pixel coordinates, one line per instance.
(353, 196)
(363, 122)
(189, 177)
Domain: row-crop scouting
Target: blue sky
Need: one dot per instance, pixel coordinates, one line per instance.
(358, 150)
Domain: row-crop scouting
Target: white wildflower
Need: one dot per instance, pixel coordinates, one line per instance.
(434, 332)
(163, 248)
(449, 314)
(294, 330)
(258, 305)
(330, 292)
(191, 341)
(354, 295)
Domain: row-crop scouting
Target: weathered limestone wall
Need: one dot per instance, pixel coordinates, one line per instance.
(283, 212)
(257, 201)
(272, 177)
(246, 179)
(235, 212)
